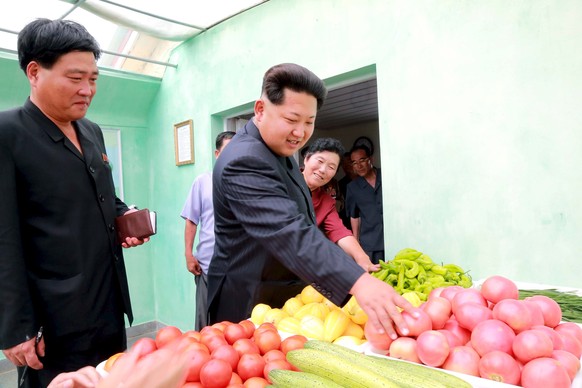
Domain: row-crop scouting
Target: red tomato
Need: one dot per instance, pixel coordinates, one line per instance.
(250, 365)
(415, 325)
(166, 335)
(266, 326)
(209, 331)
(463, 359)
(496, 288)
(293, 342)
(274, 354)
(213, 341)
(234, 332)
(499, 366)
(379, 341)
(197, 346)
(235, 379)
(193, 385)
(249, 327)
(192, 333)
(221, 325)
(144, 346)
(197, 358)
(245, 346)
(215, 374)
(267, 340)
(183, 343)
(432, 348)
(404, 348)
(276, 364)
(492, 335)
(256, 382)
(226, 353)
(439, 311)
(545, 372)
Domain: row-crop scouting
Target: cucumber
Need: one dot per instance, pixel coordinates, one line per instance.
(290, 379)
(404, 374)
(337, 369)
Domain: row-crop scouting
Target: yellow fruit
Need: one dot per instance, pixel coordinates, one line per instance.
(258, 313)
(312, 327)
(290, 325)
(413, 298)
(349, 341)
(110, 361)
(292, 305)
(353, 330)
(330, 305)
(318, 310)
(355, 312)
(310, 295)
(335, 324)
(274, 316)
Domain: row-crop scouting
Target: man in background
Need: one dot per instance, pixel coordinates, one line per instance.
(198, 212)
(61, 265)
(349, 175)
(364, 203)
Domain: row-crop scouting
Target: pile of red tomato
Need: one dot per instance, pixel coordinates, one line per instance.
(228, 354)
(489, 333)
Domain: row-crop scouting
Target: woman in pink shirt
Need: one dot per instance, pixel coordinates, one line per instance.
(321, 162)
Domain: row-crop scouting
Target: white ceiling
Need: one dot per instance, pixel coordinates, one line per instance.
(141, 30)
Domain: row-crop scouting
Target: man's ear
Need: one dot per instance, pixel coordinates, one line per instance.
(32, 71)
(259, 109)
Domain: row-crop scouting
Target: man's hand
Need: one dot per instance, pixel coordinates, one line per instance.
(131, 242)
(193, 265)
(380, 301)
(86, 377)
(26, 353)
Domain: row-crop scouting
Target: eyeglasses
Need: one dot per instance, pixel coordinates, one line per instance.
(361, 161)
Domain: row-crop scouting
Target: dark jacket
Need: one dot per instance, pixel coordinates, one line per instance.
(267, 244)
(60, 263)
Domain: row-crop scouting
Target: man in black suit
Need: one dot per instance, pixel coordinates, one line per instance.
(61, 266)
(267, 244)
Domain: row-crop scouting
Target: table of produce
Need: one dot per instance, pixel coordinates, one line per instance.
(490, 333)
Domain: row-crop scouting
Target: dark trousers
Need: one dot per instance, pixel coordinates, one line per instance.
(62, 361)
(375, 256)
(201, 301)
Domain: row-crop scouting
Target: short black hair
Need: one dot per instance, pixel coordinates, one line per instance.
(222, 136)
(45, 41)
(326, 144)
(294, 77)
(360, 147)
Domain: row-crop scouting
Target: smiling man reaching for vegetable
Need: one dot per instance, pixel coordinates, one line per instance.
(267, 243)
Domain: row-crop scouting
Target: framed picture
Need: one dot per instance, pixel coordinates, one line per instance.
(112, 139)
(184, 142)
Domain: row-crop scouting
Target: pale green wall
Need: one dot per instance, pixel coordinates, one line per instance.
(480, 128)
(479, 124)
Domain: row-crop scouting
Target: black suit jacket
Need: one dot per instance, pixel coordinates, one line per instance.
(60, 263)
(267, 246)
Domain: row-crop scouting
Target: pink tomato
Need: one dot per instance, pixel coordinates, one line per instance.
(404, 348)
(416, 325)
(468, 295)
(544, 372)
(496, 288)
(435, 292)
(570, 362)
(499, 366)
(572, 328)
(530, 344)
(432, 348)
(492, 335)
(470, 314)
(463, 359)
(557, 341)
(460, 332)
(535, 312)
(571, 344)
(379, 341)
(450, 292)
(550, 309)
(439, 311)
(452, 339)
(514, 313)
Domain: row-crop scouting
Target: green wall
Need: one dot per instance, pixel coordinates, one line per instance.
(480, 128)
(479, 124)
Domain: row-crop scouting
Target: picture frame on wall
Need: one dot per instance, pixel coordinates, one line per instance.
(184, 142)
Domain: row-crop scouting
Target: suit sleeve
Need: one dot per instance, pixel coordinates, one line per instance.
(17, 320)
(262, 203)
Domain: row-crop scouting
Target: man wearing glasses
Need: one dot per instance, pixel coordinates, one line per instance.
(364, 203)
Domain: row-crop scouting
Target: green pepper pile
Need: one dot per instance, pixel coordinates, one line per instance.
(411, 270)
